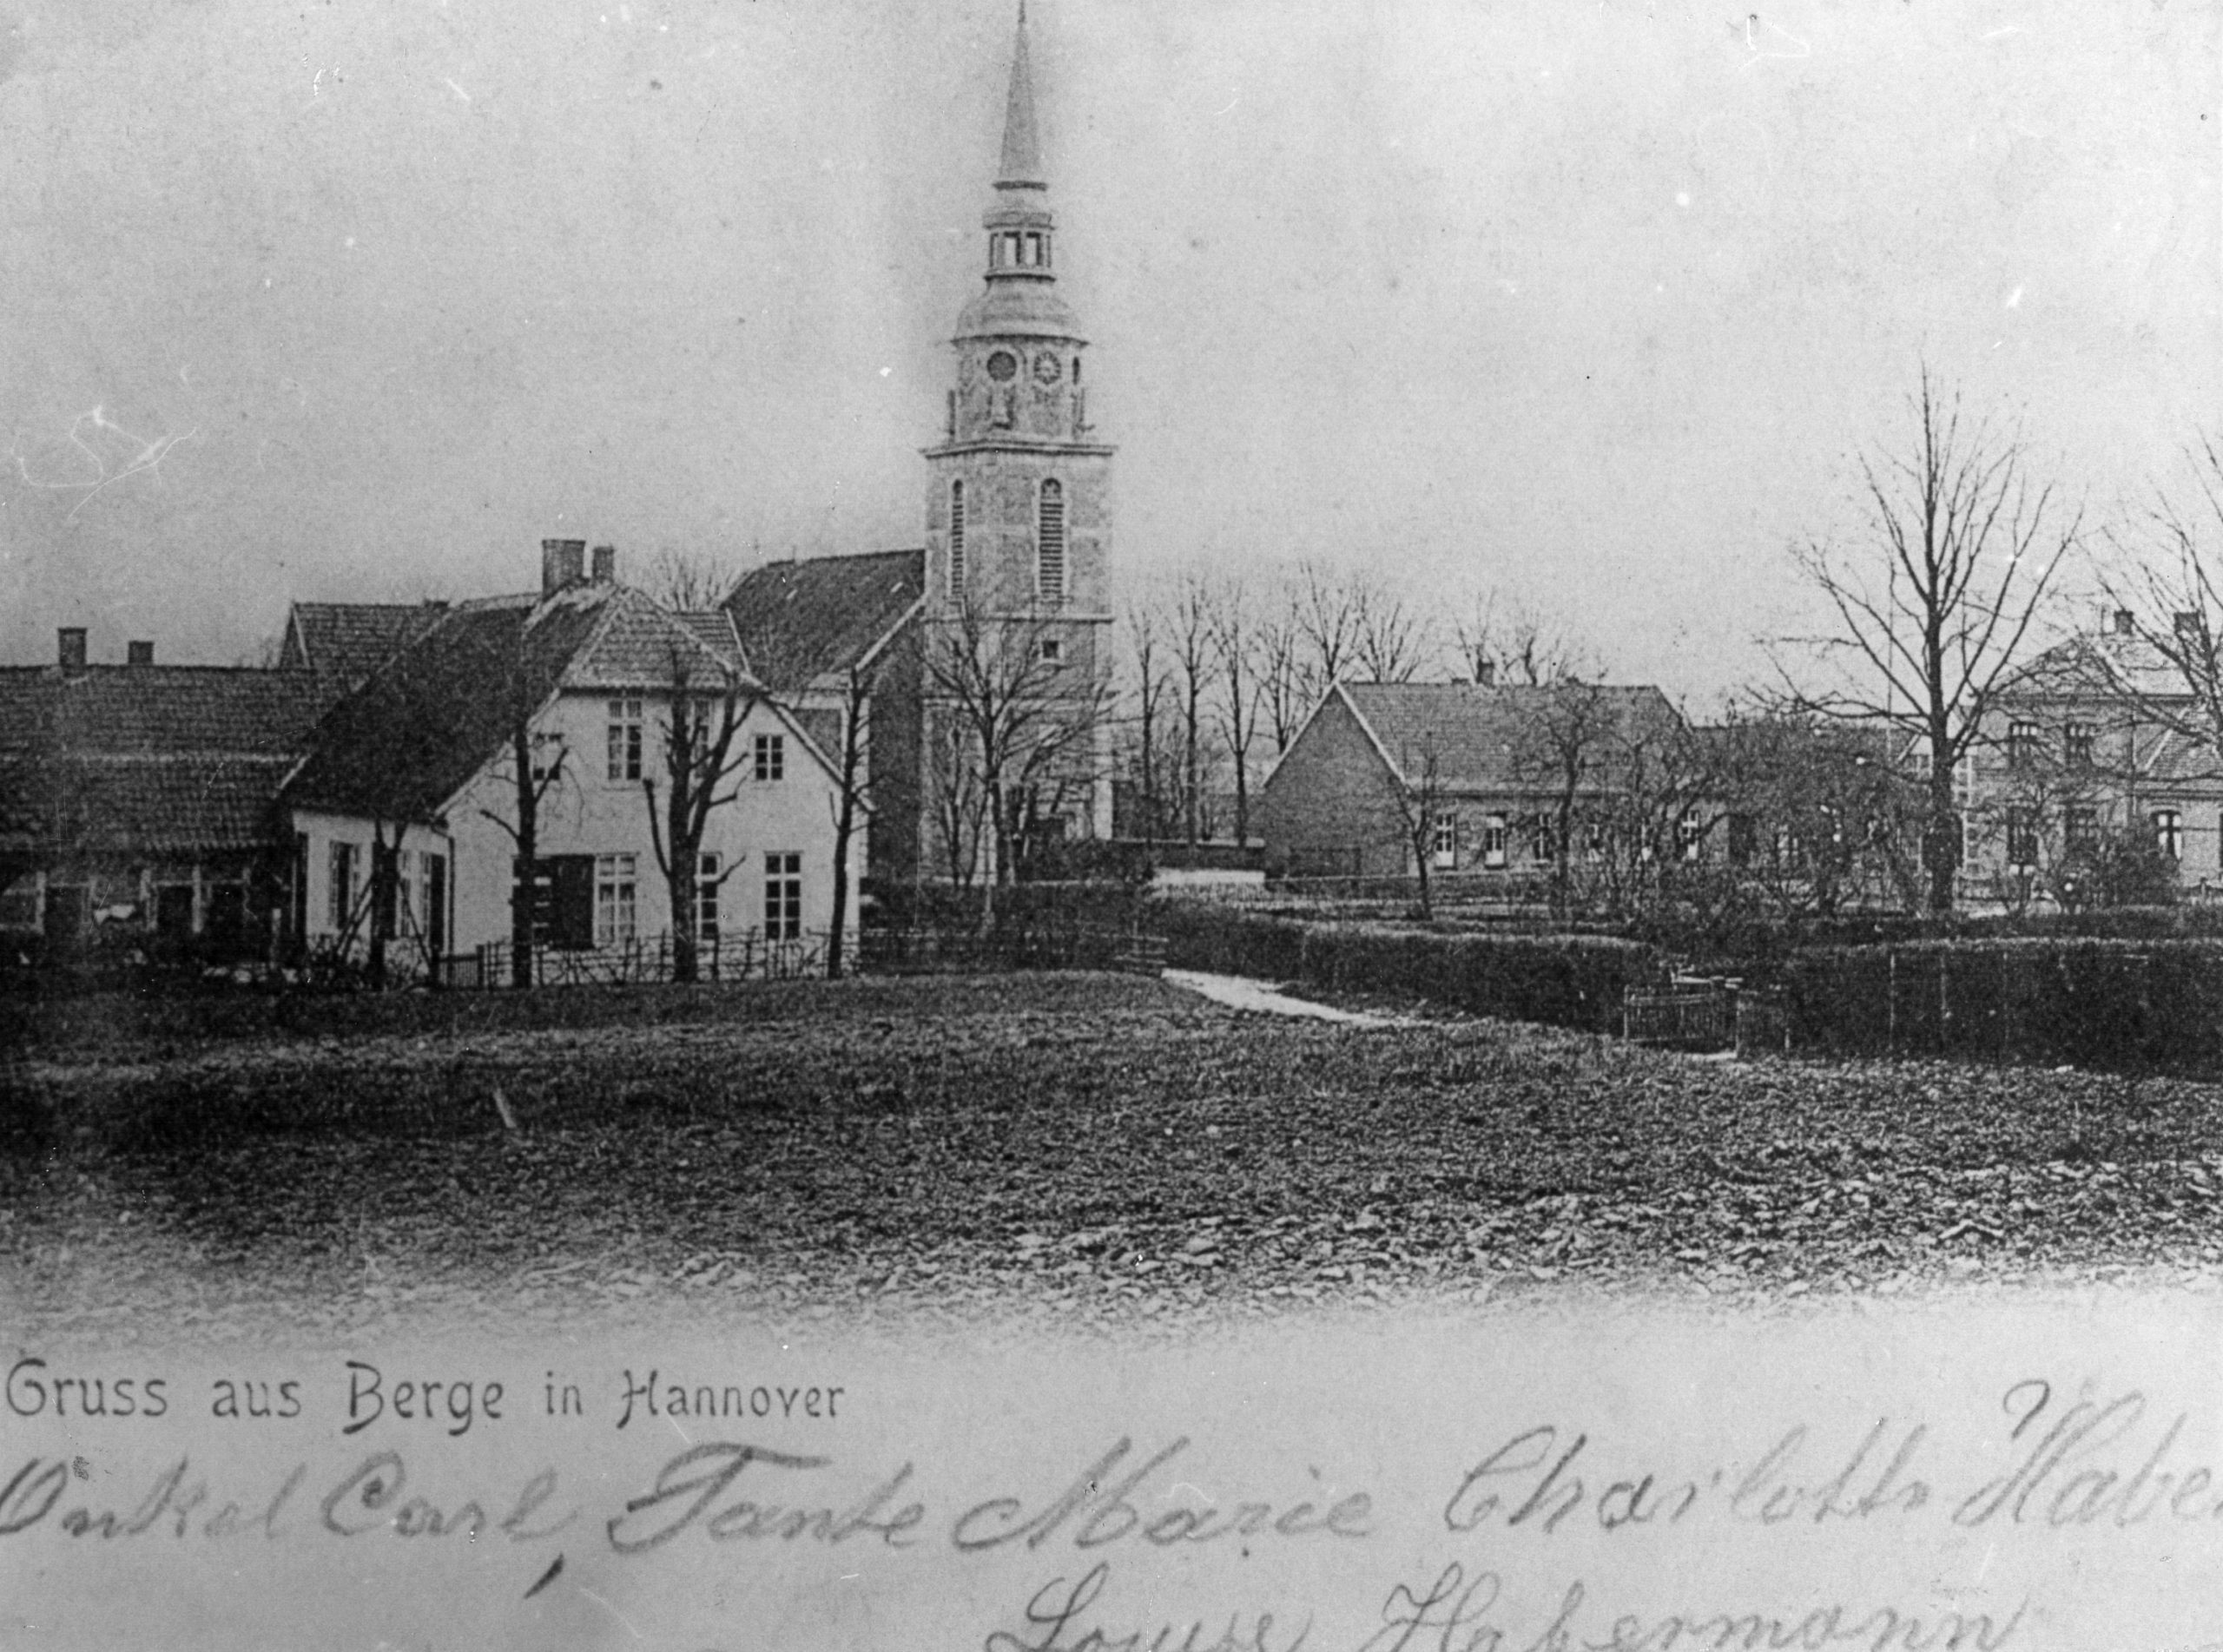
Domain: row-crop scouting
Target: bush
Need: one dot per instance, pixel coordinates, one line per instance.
(1019, 907)
(2117, 1004)
(1563, 980)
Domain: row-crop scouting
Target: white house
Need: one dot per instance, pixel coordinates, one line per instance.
(421, 757)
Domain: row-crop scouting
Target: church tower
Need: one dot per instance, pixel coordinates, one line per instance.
(1018, 511)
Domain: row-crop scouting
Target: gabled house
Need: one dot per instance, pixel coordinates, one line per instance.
(2099, 745)
(136, 803)
(834, 636)
(561, 708)
(1477, 777)
(372, 791)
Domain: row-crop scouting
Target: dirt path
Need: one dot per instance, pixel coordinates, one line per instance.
(1240, 992)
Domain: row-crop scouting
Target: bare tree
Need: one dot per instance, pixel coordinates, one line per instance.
(532, 766)
(1280, 631)
(1151, 689)
(1189, 629)
(1504, 642)
(1327, 622)
(1933, 611)
(1415, 797)
(1391, 641)
(2167, 576)
(699, 768)
(1568, 750)
(1234, 651)
(1019, 723)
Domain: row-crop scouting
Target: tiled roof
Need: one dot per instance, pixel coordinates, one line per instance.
(798, 621)
(344, 642)
(715, 631)
(400, 746)
(1483, 735)
(640, 644)
(152, 758)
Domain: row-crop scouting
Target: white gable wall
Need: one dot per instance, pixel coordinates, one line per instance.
(588, 813)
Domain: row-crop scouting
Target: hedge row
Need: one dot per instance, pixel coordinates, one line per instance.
(2121, 1005)
(1566, 981)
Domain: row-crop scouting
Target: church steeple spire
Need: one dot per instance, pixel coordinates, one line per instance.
(1022, 158)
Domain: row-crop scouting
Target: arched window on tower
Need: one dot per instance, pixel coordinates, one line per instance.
(1050, 543)
(957, 538)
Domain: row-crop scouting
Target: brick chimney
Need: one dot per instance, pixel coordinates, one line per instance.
(1486, 673)
(562, 562)
(605, 564)
(70, 639)
(139, 653)
(2188, 625)
(2124, 626)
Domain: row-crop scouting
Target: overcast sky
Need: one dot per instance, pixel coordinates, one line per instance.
(1593, 303)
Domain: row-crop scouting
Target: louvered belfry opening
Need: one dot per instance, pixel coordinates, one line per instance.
(1049, 541)
(956, 538)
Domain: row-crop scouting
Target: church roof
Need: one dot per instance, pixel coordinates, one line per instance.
(799, 620)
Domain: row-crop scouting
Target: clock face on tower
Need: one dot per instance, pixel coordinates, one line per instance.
(1002, 365)
(1046, 368)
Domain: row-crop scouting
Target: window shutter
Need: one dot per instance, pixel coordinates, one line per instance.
(563, 902)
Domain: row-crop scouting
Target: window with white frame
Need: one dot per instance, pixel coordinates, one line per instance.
(2076, 739)
(1051, 650)
(1690, 835)
(782, 896)
(706, 898)
(1493, 840)
(771, 754)
(547, 757)
(339, 881)
(624, 740)
(2022, 741)
(1443, 846)
(2169, 832)
(2080, 829)
(616, 899)
(1543, 839)
(2022, 837)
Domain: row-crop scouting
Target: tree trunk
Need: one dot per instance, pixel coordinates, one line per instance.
(845, 825)
(684, 835)
(1942, 839)
(685, 942)
(527, 858)
(1191, 780)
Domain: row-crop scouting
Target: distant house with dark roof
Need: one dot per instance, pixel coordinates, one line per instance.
(811, 629)
(145, 793)
(1470, 769)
